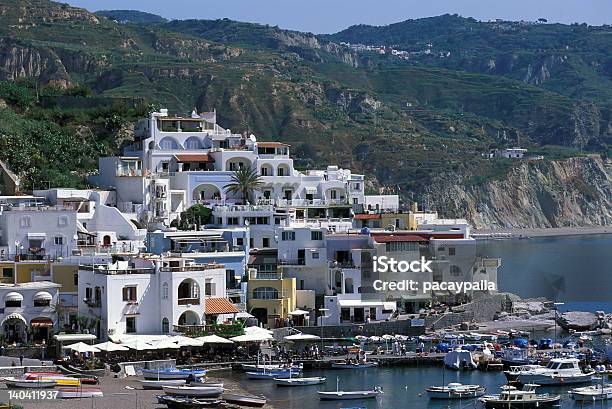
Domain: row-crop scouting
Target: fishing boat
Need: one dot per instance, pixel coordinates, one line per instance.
(349, 395)
(513, 398)
(559, 371)
(592, 393)
(154, 384)
(29, 383)
(274, 374)
(193, 391)
(270, 367)
(455, 391)
(316, 380)
(181, 402)
(80, 392)
(172, 373)
(244, 400)
(354, 365)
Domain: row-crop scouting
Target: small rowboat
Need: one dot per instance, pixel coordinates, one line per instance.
(30, 383)
(317, 380)
(270, 367)
(592, 393)
(244, 400)
(58, 378)
(77, 393)
(193, 391)
(346, 365)
(151, 384)
(350, 395)
(178, 402)
(273, 374)
(455, 391)
(172, 373)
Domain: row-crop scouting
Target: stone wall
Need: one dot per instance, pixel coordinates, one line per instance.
(400, 327)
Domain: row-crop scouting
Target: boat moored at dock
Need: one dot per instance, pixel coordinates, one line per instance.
(455, 391)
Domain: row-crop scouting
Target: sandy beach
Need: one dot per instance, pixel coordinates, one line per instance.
(125, 393)
(548, 232)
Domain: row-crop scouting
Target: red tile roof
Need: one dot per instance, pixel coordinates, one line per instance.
(387, 238)
(219, 306)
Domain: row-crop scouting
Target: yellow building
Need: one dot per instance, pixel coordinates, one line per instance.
(271, 297)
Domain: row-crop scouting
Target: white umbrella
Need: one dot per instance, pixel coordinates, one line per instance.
(110, 347)
(243, 314)
(81, 347)
(253, 337)
(302, 337)
(388, 337)
(214, 339)
(183, 341)
(138, 345)
(299, 312)
(257, 330)
(165, 344)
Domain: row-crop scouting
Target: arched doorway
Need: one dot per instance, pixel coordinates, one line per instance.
(41, 327)
(14, 327)
(188, 292)
(189, 318)
(205, 193)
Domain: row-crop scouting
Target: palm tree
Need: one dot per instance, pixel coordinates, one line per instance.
(245, 181)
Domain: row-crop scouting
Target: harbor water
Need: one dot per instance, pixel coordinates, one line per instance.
(404, 388)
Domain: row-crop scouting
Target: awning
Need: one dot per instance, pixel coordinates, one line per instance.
(37, 236)
(14, 316)
(74, 337)
(214, 306)
(82, 347)
(41, 322)
(13, 296)
(194, 158)
(43, 296)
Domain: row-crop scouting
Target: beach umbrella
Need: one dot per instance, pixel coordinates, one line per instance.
(214, 339)
(166, 343)
(388, 337)
(82, 347)
(138, 345)
(253, 337)
(302, 337)
(183, 341)
(257, 330)
(244, 314)
(111, 347)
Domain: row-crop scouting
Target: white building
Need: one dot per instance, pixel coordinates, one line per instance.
(28, 308)
(151, 295)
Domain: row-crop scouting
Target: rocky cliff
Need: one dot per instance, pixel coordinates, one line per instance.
(572, 192)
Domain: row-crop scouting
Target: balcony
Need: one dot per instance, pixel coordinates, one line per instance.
(93, 303)
(293, 262)
(188, 301)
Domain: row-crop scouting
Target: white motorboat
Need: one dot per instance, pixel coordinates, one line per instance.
(459, 359)
(30, 383)
(559, 371)
(270, 367)
(151, 384)
(316, 380)
(592, 393)
(513, 398)
(455, 391)
(274, 374)
(197, 391)
(353, 365)
(80, 392)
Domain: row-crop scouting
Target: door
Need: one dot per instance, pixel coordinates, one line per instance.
(359, 315)
(301, 256)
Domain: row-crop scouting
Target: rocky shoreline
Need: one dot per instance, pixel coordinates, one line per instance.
(547, 232)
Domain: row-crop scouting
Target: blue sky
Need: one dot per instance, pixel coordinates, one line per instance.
(328, 16)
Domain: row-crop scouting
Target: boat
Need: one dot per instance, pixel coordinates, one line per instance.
(29, 383)
(181, 402)
(514, 356)
(317, 380)
(201, 382)
(275, 374)
(592, 393)
(192, 391)
(270, 367)
(154, 384)
(63, 379)
(353, 365)
(459, 359)
(80, 392)
(350, 395)
(455, 391)
(172, 373)
(513, 398)
(244, 400)
(558, 371)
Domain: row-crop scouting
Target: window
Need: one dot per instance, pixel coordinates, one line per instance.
(233, 221)
(345, 314)
(239, 241)
(58, 240)
(265, 171)
(251, 242)
(280, 171)
(62, 221)
(267, 194)
(75, 279)
(287, 194)
(333, 194)
(451, 251)
(315, 255)
(316, 235)
(288, 236)
(129, 293)
(357, 186)
(402, 246)
(12, 303)
(455, 270)
(165, 326)
(42, 302)
(88, 293)
(397, 223)
(165, 291)
(355, 200)
(8, 273)
(265, 242)
(265, 293)
(210, 288)
(25, 221)
(130, 325)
